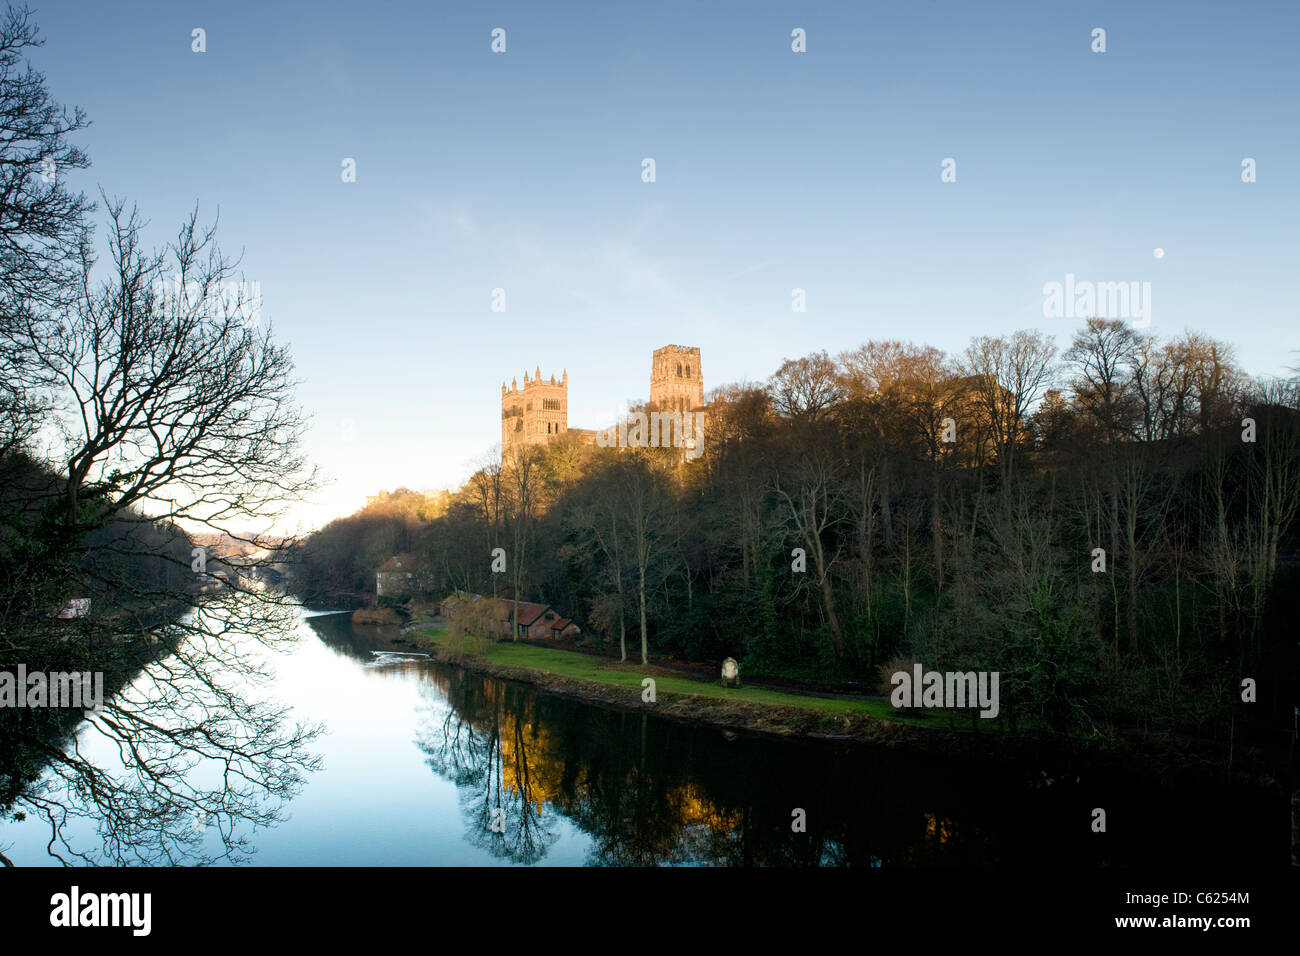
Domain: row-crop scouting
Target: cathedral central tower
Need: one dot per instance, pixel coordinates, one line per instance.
(675, 381)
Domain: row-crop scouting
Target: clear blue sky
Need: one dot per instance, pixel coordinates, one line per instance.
(775, 170)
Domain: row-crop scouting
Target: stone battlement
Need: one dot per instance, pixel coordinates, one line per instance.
(538, 411)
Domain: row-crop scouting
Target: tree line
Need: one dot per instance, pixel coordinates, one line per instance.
(1109, 525)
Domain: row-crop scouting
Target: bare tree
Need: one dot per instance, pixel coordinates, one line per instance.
(522, 480)
(812, 500)
(1101, 355)
(807, 388)
(646, 514)
(42, 223)
(169, 415)
(1008, 376)
(597, 521)
(170, 402)
(488, 491)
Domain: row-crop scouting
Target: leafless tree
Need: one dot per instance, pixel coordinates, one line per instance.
(1008, 376)
(812, 501)
(807, 388)
(522, 480)
(169, 414)
(487, 489)
(1101, 355)
(598, 521)
(167, 402)
(647, 513)
(42, 223)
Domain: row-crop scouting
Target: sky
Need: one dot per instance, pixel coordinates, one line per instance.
(774, 170)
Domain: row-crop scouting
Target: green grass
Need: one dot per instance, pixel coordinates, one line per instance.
(628, 677)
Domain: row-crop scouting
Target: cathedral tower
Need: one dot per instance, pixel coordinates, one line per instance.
(534, 414)
(676, 384)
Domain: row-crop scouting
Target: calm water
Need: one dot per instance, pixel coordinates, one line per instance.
(428, 764)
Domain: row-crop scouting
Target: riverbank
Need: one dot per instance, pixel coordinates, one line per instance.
(776, 713)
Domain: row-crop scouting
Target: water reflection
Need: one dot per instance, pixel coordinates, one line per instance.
(185, 762)
(199, 760)
(651, 791)
(495, 754)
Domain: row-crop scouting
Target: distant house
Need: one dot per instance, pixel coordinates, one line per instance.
(536, 621)
(400, 576)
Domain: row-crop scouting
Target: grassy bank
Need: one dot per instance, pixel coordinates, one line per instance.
(604, 680)
(628, 676)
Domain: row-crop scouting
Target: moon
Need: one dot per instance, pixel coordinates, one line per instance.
(1159, 253)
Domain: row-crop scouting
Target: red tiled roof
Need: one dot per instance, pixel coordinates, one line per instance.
(529, 611)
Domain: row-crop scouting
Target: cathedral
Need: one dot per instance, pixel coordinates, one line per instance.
(539, 412)
(536, 413)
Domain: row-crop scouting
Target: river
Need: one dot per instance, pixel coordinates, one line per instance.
(425, 763)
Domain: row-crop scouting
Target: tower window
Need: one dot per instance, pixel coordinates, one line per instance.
(688, 371)
(679, 369)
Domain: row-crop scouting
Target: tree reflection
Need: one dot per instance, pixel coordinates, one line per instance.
(639, 810)
(487, 746)
(654, 792)
(187, 760)
(527, 758)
